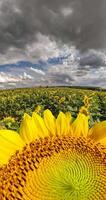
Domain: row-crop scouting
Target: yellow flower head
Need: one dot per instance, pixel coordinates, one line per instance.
(62, 100)
(54, 159)
(87, 101)
(38, 109)
(8, 119)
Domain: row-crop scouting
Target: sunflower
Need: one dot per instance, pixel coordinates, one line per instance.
(54, 158)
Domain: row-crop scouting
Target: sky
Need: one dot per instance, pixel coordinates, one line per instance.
(59, 42)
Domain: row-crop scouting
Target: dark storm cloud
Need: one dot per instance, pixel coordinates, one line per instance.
(92, 59)
(14, 29)
(81, 22)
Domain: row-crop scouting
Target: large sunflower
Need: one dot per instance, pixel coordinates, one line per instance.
(54, 159)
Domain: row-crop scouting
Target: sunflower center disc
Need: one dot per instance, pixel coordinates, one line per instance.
(67, 175)
(57, 168)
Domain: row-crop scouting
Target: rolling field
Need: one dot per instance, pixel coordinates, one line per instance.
(14, 103)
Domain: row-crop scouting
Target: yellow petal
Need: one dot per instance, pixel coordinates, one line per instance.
(28, 129)
(80, 125)
(103, 141)
(10, 141)
(40, 125)
(69, 117)
(50, 121)
(62, 125)
(98, 132)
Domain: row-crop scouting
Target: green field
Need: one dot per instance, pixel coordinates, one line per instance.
(14, 103)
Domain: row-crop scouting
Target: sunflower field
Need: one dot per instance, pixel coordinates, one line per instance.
(14, 103)
(52, 144)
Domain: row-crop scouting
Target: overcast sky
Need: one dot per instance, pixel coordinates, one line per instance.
(33, 30)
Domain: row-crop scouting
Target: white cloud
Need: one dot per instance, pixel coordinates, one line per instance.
(66, 11)
(8, 78)
(26, 76)
(95, 77)
(38, 71)
(4, 78)
(16, 10)
(43, 48)
(13, 55)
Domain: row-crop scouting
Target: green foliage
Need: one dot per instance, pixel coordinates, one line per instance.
(14, 103)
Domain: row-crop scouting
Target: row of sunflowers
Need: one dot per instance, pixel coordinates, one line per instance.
(14, 103)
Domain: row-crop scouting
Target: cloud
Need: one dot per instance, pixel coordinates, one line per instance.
(41, 31)
(9, 78)
(38, 71)
(26, 27)
(93, 58)
(71, 22)
(43, 48)
(93, 78)
(26, 76)
(70, 67)
(59, 79)
(66, 11)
